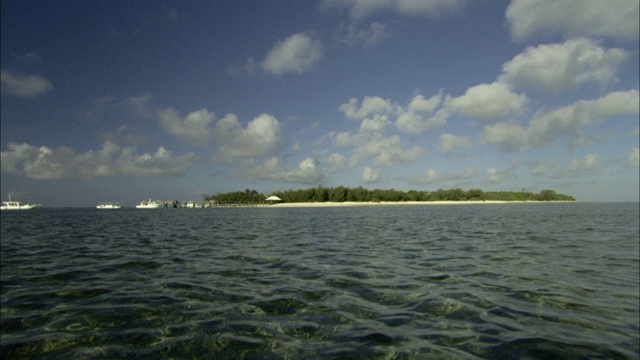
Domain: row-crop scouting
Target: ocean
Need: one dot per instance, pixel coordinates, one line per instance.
(494, 281)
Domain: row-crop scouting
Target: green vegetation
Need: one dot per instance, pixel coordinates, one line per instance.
(360, 194)
(237, 197)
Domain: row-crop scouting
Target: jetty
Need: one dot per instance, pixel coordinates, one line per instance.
(207, 204)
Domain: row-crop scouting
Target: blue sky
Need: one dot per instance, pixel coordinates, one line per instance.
(130, 100)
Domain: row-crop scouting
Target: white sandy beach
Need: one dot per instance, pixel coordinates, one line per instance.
(404, 203)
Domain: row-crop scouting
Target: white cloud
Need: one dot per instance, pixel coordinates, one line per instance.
(370, 176)
(590, 163)
(385, 151)
(336, 162)
(418, 116)
(111, 160)
(633, 159)
(360, 9)
(307, 172)
(509, 135)
(488, 102)
(450, 143)
(262, 137)
(560, 67)
(194, 128)
(24, 85)
(371, 105)
(375, 125)
(296, 54)
(370, 141)
(343, 139)
(546, 126)
(573, 18)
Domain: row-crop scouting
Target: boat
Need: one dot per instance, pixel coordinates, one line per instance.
(150, 204)
(17, 205)
(109, 205)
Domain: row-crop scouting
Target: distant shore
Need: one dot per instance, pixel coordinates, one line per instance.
(406, 203)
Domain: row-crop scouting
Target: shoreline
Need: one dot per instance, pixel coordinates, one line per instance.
(408, 203)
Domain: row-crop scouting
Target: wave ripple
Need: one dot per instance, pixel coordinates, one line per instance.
(494, 282)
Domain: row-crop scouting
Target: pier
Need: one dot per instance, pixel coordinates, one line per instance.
(209, 204)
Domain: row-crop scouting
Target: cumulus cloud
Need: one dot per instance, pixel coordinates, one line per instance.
(261, 138)
(590, 163)
(337, 162)
(194, 128)
(371, 105)
(370, 176)
(418, 116)
(547, 125)
(633, 159)
(560, 67)
(493, 101)
(450, 143)
(296, 54)
(111, 160)
(23, 85)
(307, 172)
(616, 19)
(343, 139)
(385, 151)
(360, 9)
(375, 125)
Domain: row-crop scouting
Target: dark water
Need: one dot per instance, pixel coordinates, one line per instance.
(457, 281)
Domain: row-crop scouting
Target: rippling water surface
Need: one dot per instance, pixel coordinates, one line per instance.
(400, 282)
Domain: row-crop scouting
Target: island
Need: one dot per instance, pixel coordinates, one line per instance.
(353, 196)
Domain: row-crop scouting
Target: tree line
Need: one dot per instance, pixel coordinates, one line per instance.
(360, 194)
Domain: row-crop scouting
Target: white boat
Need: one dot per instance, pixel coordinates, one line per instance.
(109, 205)
(150, 204)
(17, 205)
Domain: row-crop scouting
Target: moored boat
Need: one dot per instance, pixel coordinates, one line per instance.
(150, 204)
(109, 205)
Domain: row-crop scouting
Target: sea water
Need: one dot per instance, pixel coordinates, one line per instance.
(507, 281)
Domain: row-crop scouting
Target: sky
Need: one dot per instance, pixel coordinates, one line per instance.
(130, 100)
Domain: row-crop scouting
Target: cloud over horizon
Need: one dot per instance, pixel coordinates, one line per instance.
(111, 160)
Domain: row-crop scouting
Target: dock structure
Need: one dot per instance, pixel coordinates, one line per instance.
(209, 204)
(175, 204)
(238, 205)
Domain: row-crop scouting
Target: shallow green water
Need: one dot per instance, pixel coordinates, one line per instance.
(479, 281)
